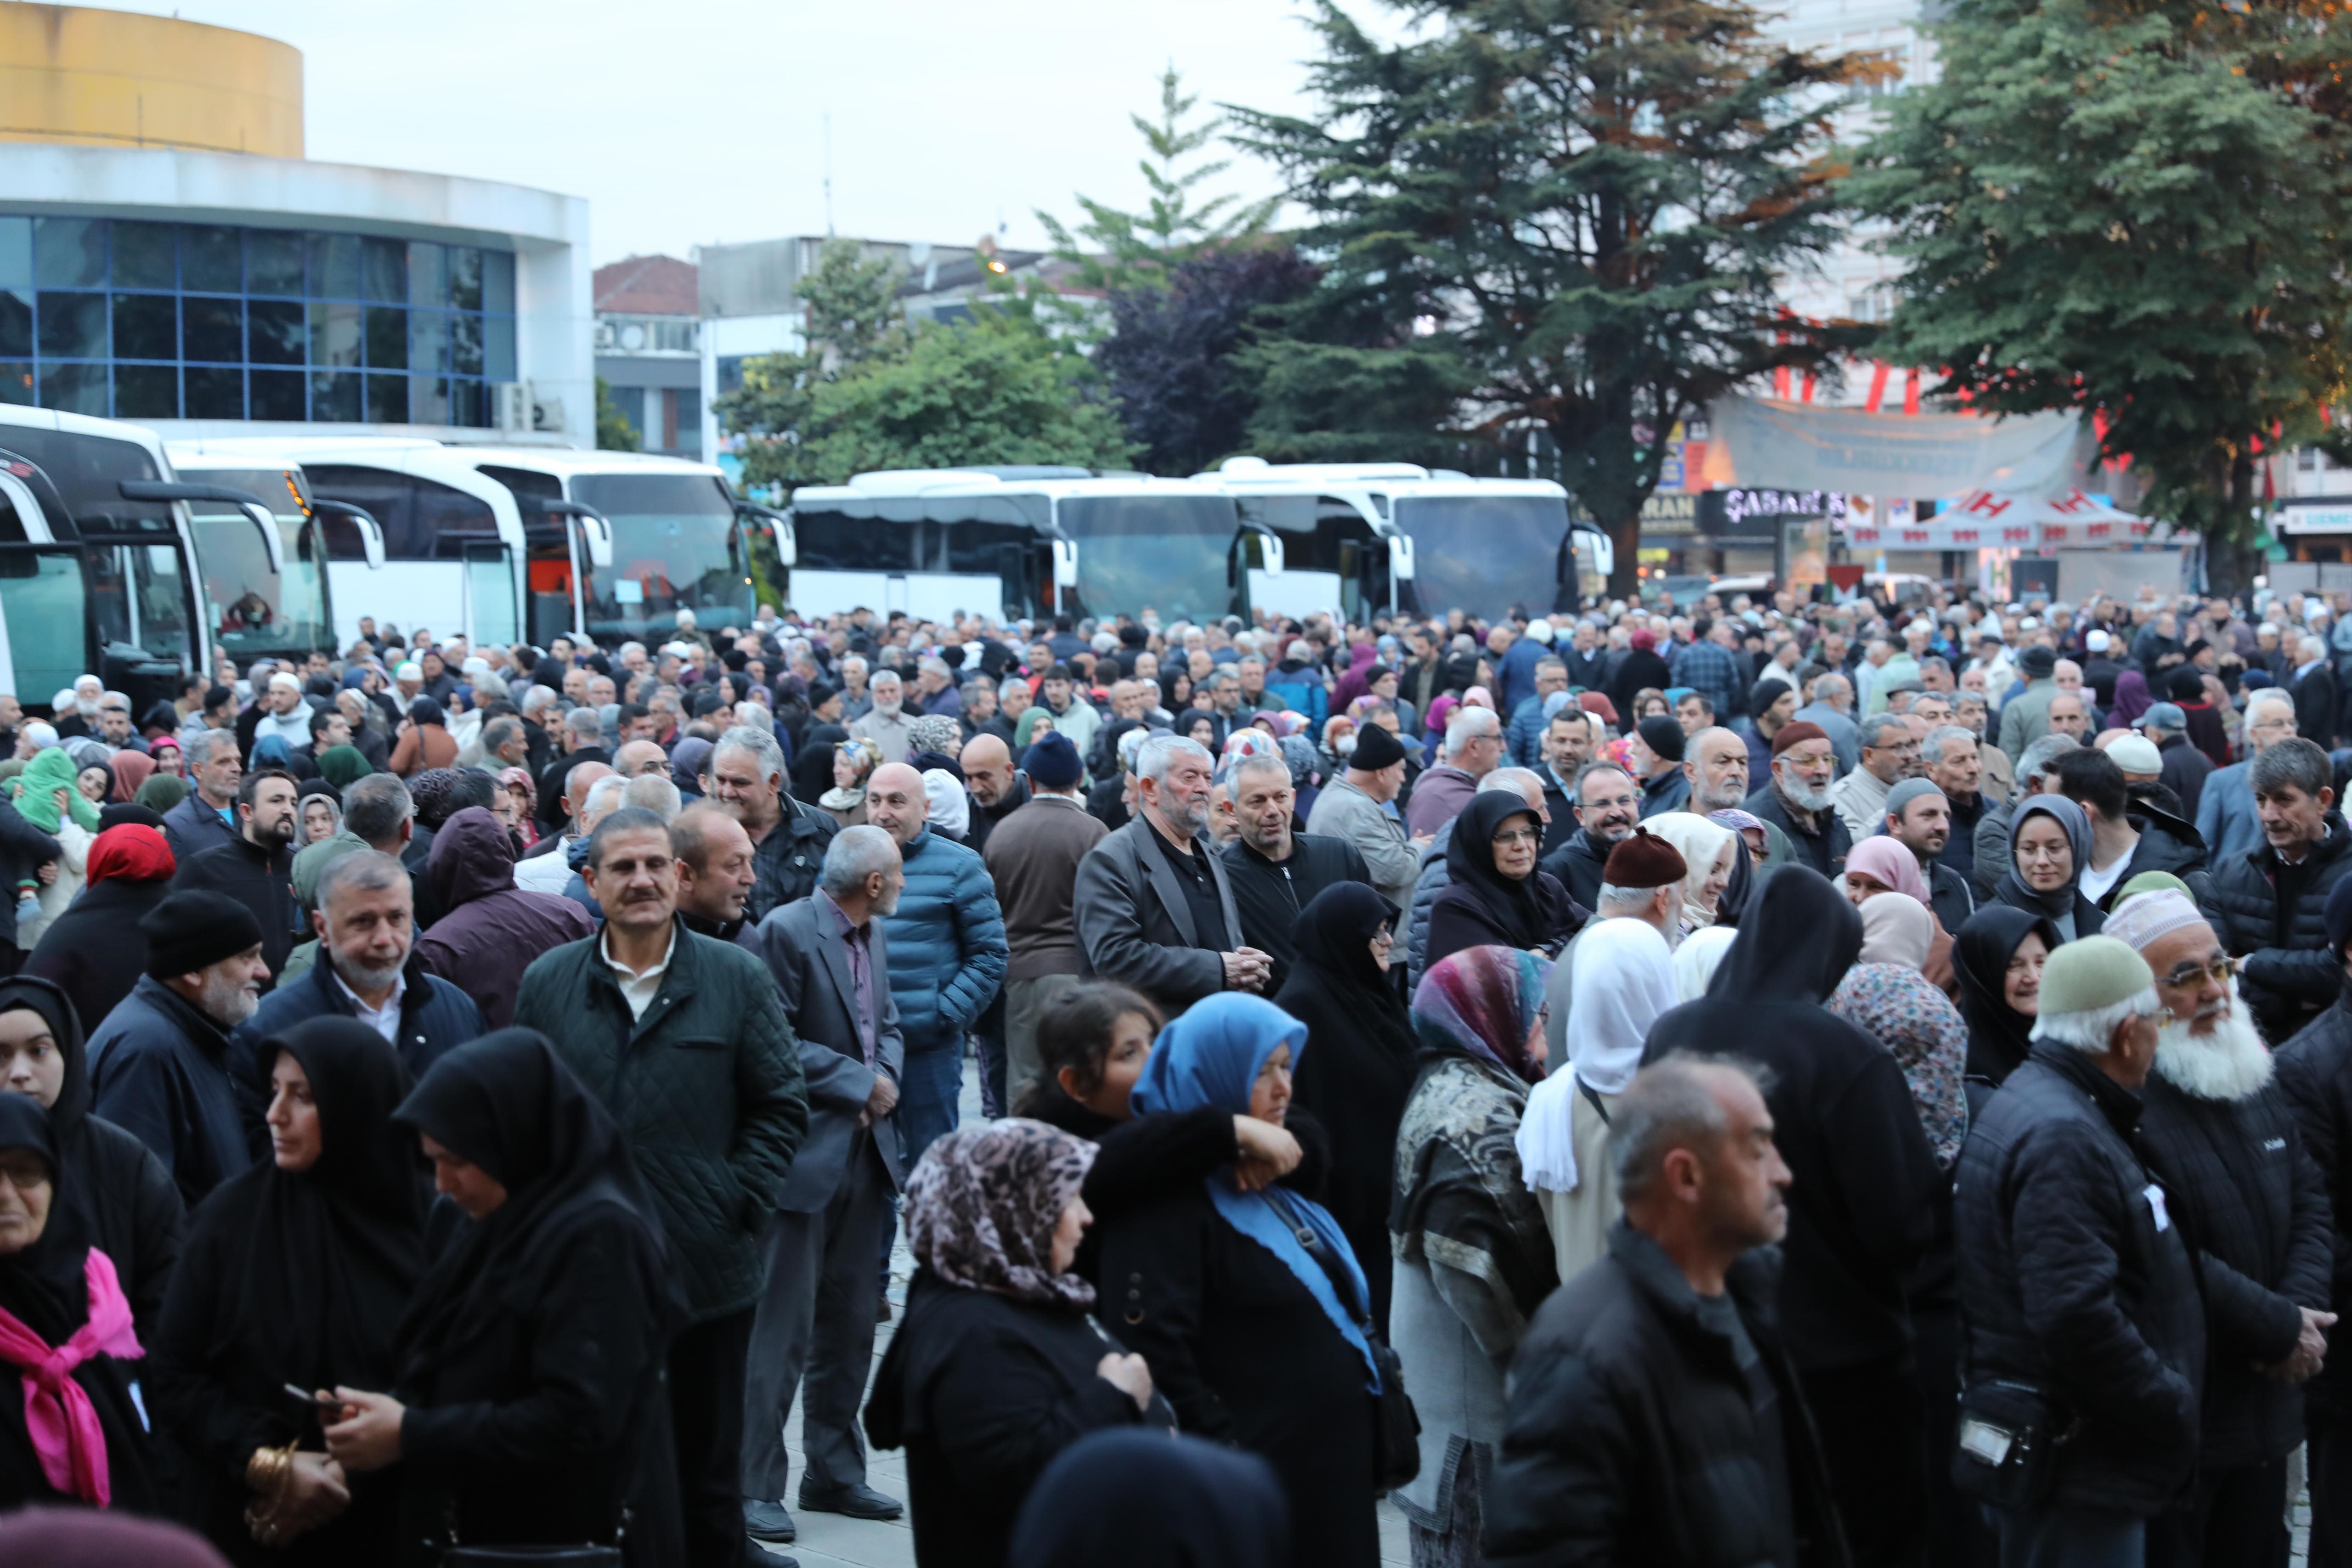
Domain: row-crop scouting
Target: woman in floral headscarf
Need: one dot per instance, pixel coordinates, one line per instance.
(1473, 1260)
(999, 1366)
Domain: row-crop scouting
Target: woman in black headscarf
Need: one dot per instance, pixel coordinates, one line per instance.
(999, 1366)
(296, 1274)
(2049, 850)
(1355, 1079)
(529, 1409)
(1998, 958)
(125, 1196)
(1498, 897)
(61, 1307)
(813, 765)
(1861, 1198)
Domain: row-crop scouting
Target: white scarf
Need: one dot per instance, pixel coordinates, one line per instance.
(1620, 979)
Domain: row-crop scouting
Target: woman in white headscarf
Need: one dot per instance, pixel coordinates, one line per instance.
(950, 809)
(1709, 849)
(1622, 978)
(1698, 957)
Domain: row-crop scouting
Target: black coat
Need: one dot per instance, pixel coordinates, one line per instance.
(435, 1018)
(2315, 1073)
(1268, 894)
(1243, 1351)
(95, 951)
(1577, 865)
(24, 849)
(1138, 1161)
(260, 878)
(2291, 972)
(785, 863)
(1636, 671)
(2315, 705)
(2249, 1199)
(982, 1392)
(2165, 844)
(551, 810)
(2068, 1285)
(159, 1070)
(2185, 769)
(1861, 1214)
(1822, 846)
(1631, 1436)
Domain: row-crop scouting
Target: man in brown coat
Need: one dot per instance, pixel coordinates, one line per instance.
(1034, 856)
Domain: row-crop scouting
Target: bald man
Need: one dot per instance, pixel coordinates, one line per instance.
(1716, 765)
(997, 787)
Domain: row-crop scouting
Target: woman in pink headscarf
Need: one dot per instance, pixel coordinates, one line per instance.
(1879, 866)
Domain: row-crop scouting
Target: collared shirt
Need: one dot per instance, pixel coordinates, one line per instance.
(386, 1019)
(637, 989)
(859, 941)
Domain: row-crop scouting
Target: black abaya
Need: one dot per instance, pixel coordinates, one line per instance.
(299, 1277)
(531, 1357)
(45, 1287)
(1482, 906)
(1357, 1069)
(1998, 1035)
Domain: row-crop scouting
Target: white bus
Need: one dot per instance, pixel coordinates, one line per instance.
(1024, 541)
(259, 600)
(97, 563)
(1365, 536)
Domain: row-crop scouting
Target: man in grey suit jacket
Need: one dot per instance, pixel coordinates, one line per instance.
(1153, 908)
(816, 1312)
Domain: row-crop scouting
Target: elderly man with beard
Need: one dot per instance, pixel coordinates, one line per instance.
(2253, 1205)
(1155, 907)
(886, 725)
(1276, 871)
(159, 1064)
(1716, 763)
(2314, 1069)
(1796, 801)
(1608, 804)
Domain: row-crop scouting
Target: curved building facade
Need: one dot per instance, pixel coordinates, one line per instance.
(167, 254)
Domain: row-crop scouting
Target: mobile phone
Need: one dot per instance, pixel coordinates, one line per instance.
(320, 1401)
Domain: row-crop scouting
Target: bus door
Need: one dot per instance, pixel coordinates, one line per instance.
(490, 593)
(42, 600)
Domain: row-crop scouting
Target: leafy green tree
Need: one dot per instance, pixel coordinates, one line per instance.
(852, 317)
(1111, 249)
(613, 431)
(1564, 214)
(2138, 210)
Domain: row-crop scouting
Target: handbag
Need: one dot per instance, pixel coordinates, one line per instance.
(1396, 1424)
(2009, 1438)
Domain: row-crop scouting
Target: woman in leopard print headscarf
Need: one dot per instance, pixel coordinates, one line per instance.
(997, 1367)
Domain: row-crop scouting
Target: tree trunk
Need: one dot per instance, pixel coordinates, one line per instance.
(1625, 536)
(2231, 559)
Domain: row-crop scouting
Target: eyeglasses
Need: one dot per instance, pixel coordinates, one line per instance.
(2219, 970)
(1518, 836)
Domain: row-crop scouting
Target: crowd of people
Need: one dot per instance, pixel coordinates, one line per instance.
(1749, 1082)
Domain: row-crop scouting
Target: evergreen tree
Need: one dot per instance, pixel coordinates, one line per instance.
(1565, 214)
(2135, 212)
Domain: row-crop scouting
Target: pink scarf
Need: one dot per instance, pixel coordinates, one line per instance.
(59, 1415)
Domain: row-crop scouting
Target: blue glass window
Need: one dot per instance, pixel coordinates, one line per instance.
(161, 320)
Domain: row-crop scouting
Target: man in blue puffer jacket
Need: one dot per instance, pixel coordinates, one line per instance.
(947, 954)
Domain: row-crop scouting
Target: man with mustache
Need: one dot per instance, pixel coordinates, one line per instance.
(1796, 801)
(2246, 1195)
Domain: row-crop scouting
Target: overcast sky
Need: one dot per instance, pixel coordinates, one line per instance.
(690, 122)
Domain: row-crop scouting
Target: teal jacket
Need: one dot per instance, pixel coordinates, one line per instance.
(706, 1089)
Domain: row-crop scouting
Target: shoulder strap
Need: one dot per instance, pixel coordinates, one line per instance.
(1593, 1098)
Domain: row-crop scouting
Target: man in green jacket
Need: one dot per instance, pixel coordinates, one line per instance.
(685, 1039)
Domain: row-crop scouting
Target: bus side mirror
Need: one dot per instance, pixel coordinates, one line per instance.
(1270, 552)
(1401, 557)
(788, 544)
(1604, 551)
(1066, 563)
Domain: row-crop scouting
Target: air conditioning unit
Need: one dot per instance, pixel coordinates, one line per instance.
(547, 413)
(605, 336)
(510, 405)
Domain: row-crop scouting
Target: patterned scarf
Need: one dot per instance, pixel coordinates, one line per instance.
(982, 1206)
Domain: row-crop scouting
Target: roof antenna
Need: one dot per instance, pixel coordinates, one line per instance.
(828, 173)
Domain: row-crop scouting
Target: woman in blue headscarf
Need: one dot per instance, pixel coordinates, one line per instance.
(1247, 1304)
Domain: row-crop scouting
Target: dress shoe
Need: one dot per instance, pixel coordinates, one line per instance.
(768, 1522)
(857, 1503)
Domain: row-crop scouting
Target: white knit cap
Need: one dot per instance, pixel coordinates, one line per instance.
(2146, 917)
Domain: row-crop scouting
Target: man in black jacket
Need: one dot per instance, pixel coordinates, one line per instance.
(1273, 871)
(1608, 804)
(2128, 839)
(1651, 1415)
(2077, 1292)
(2312, 685)
(2225, 1142)
(2273, 902)
(2314, 1070)
(257, 868)
(1796, 799)
(745, 776)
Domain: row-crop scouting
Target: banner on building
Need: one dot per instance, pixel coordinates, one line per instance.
(1763, 443)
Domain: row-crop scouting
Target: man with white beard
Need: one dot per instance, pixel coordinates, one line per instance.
(886, 725)
(2253, 1208)
(1796, 800)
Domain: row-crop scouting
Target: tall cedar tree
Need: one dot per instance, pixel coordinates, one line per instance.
(1170, 359)
(1565, 214)
(2134, 210)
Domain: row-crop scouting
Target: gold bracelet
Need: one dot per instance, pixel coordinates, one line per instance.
(268, 1469)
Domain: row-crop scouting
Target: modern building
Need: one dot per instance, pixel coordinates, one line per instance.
(649, 351)
(169, 256)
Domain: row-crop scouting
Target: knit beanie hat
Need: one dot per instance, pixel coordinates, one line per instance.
(1375, 748)
(2038, 663)
(1051, 762)
(1803, 729)
(193, 930)
(2090, 973)
(1662, 736)
(1643, 861)
(1907, 791)
(2139, 921)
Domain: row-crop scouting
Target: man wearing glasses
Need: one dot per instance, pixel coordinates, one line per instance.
(639, 758)
(2255, 1207)
(1890, 753)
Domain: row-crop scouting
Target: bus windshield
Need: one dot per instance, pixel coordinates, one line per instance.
(250, 609)
(139, 592)
(1483, 554)
(1170, 554)
(676, 546)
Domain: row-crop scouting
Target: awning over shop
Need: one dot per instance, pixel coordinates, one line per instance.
(1993, 519)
